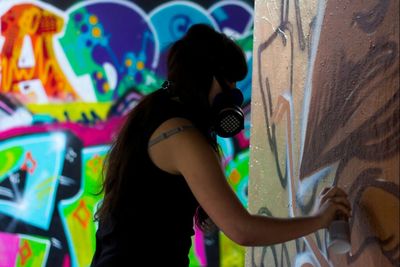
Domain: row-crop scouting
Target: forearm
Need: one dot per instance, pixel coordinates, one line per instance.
(265, 231)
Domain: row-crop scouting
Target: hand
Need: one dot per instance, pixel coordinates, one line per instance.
(332, 203)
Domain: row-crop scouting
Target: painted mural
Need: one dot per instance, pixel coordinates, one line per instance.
(67, 79)
(325, 111)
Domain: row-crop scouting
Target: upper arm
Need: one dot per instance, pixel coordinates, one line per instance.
(193, 157)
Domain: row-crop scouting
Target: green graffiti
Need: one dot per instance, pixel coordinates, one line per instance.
(78, 213)
(32, 252)
(9, 158)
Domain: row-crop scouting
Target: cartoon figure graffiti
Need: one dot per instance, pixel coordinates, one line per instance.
(30, 69)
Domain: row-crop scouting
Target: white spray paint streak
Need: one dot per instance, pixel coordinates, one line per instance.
(308, 85)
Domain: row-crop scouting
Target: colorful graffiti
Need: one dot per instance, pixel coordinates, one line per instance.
(67, 79)
(29, 65)
(325, 111)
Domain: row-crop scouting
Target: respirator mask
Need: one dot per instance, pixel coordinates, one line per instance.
(227, 118)
(227, 114)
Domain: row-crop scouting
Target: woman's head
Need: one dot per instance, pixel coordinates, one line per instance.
(196, 59)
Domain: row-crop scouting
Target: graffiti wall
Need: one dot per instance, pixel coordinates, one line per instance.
(68, 76)
(325, 111)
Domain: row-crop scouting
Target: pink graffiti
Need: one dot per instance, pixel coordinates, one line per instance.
(101, 133)
(199, 247)
(9, 245)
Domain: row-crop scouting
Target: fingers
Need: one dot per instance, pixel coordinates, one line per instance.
(342, 210)
(342, 204)
(335, 191)
(340, 192)
(330, 192)
(342, 200)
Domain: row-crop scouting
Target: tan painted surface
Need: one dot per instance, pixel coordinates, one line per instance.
(325, 109)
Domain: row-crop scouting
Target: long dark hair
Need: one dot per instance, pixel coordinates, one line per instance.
(192, 63)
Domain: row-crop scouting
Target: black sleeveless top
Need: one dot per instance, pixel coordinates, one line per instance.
(155, 225)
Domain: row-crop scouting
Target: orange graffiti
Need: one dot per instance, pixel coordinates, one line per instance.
(42, 80)
(25, 252)
(96, 164)
(29, 164)
(82, 214)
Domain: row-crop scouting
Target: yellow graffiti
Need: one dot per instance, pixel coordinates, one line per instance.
(93, 19)
(96, 32)
(72, 111)
(42, 189)
(28, 23)
(140, 65)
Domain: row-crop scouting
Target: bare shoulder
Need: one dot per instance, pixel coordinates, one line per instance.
(172, 129)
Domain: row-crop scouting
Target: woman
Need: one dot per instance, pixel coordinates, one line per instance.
(164, 169)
